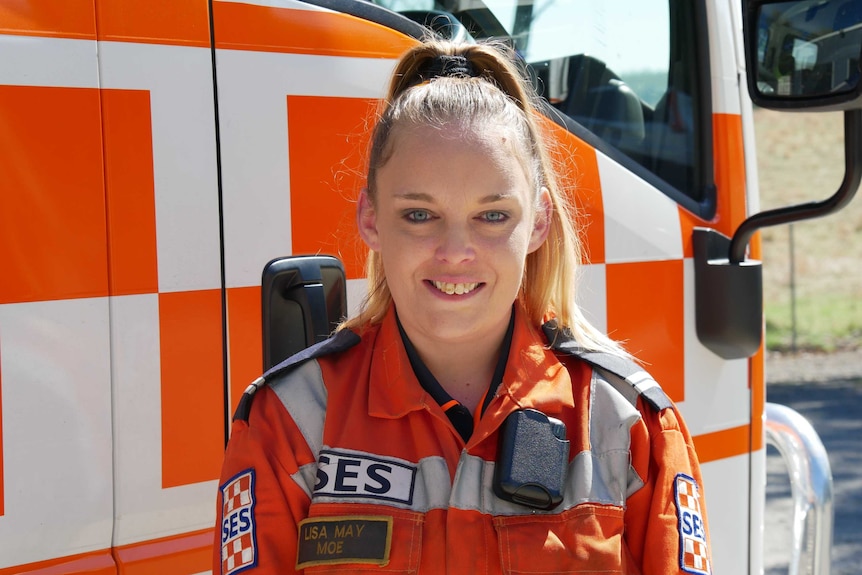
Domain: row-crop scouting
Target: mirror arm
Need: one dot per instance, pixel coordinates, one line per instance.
(789, 214)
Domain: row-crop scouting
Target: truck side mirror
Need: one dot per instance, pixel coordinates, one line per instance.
(804, 53)
(303, 299)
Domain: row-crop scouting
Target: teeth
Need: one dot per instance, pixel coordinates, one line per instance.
(459, 289)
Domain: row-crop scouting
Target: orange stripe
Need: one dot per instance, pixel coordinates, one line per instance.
(65, 19)
(723, 444)
(579, 177)
(757, 381)
(729, 163)
(186, 553)
(758, 398)
(729, 171)
(451, 403)
(180, 22)
(244, 339)
(95, 563)
(191, 386)
(327, 142)
(52, 199)
(644, 302)
(269, 29)
(130, 192)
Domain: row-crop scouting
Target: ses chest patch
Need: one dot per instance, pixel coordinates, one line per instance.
(364, 477)
(238, 542)
(693, 551)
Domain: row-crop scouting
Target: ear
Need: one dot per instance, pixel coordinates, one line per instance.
(541, 221)
(366, 221)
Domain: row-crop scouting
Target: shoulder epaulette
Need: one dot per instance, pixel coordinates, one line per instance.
(342, 340)
(629, 372)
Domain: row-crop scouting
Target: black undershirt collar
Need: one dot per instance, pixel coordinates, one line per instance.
(459, 415)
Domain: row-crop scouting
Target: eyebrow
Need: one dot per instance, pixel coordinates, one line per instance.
(417, 196)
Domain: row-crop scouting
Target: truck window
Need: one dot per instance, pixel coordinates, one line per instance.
(621, 74)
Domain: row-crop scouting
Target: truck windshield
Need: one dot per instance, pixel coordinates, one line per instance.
(624, 70)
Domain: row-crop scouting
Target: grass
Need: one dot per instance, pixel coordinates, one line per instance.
(827, 322)
(800, 158)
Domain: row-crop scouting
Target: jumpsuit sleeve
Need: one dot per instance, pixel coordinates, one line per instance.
(262, 495)
(666, 526)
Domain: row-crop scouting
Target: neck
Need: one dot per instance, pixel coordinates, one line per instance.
(463, 369)
(464, 373)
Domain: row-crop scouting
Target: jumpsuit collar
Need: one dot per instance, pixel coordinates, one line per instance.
(462, 419)
(533, 376)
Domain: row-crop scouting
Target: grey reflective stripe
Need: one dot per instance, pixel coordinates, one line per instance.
(473, 489)
(636, 384)
(474, 482)
(635, 482)
(306, 477)
(303, 394)
(473, 486)
(623, 387)
(432, 484)
(642, 381)
(587, 482)
(612, 415)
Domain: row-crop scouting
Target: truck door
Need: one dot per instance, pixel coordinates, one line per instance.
(111, 361)
(167, 336)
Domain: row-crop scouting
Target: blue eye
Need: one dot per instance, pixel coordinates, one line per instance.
(495, 217)
(418, 216)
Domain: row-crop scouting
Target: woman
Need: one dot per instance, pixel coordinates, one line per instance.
(469, 419)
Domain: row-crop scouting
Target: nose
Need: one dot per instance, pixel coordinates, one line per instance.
(456, 245)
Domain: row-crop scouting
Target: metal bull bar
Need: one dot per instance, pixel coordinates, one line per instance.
(811, 488)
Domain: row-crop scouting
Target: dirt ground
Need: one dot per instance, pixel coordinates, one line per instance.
(814, 367)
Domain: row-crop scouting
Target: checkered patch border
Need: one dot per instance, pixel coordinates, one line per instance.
(238, 528)
(693, 550)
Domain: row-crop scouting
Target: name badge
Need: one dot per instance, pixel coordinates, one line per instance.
(346, 539)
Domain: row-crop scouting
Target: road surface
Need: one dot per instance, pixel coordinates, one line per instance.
(834, 408)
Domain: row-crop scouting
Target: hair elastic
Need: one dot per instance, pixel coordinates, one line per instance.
(450, 67)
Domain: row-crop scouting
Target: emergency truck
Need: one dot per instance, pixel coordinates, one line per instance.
(155, 155)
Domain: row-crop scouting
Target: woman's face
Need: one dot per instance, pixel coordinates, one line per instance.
(453, 220)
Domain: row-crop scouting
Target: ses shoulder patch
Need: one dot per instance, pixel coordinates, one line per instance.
(238, 542)
(693, 551)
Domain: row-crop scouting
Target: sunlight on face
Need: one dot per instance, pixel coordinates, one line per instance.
(453, 220)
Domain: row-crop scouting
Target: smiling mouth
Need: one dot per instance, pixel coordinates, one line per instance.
(455, 289)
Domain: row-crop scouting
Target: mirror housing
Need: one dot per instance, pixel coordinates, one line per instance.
(804, 54)
(303, 298)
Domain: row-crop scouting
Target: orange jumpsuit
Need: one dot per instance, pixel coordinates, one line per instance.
(343, 462)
